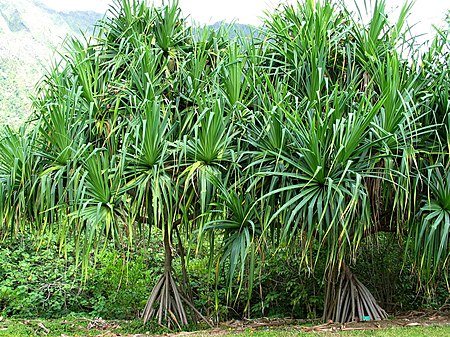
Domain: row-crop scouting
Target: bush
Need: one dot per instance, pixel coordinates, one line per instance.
(42, 283)
(37, 282)
(120, 285)
(288, 288)
(381, 266)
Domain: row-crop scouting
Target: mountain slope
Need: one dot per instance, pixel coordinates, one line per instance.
(29, 33)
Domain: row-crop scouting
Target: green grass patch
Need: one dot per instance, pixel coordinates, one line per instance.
(80, 326)
(37, 327)
(84, 327)
(388, 332)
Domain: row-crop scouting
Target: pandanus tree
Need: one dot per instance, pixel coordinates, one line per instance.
(313, 132)
(355, 120)
(126, 134)
(339, 133)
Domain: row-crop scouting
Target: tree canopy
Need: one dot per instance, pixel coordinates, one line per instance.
(315, 131)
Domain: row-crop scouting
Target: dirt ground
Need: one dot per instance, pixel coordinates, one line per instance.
(412, 318)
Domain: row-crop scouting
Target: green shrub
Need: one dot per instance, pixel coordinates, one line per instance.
(209, 298)
(380, 265)
(37, 282)
(42, 283)
(120, 285)
(287, 287)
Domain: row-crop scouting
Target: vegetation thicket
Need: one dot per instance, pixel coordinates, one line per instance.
(313, 134)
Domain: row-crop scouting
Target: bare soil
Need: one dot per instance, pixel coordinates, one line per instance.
(409, 319)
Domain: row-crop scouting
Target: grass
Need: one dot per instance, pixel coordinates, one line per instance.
(72, 326)
(78, 326)
(37, 327)
(388, 332)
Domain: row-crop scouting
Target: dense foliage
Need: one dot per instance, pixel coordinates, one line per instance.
(312, 135)
(41, 283)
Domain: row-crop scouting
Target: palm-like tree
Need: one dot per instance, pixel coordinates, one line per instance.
(119, 144)
(314, 132)
(350, 140)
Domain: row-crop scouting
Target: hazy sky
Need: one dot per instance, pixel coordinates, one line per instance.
(426, 12)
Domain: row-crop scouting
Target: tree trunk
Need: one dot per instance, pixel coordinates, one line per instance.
(166, 302)
(170, 311)
(347, 299)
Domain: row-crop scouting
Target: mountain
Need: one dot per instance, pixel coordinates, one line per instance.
(29, 34)
(235, 28)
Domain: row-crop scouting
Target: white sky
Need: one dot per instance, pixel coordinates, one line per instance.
(75, 5)
(425, 12)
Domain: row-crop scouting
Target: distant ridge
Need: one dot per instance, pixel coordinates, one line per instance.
(29, 33)
(235, 28)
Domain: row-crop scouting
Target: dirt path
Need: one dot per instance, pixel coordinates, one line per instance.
(410, 319)
(102, 328)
